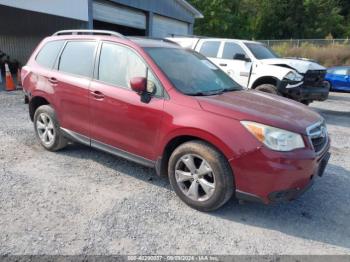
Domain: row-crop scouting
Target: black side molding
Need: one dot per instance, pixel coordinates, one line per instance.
(240, 195)
(107, 148)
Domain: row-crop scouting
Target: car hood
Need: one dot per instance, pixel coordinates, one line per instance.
(262, 108)
(300, 65)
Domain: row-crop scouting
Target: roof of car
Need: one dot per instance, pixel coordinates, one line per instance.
(111, 35)
(214, 39)
(339, 67)
(153, 42)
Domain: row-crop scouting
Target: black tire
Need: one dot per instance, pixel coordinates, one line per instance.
(306, 102)
(222, 175)
(268, 88)
(58, 140)
(328, 85)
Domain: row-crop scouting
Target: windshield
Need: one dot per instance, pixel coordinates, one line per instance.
(190, 72)
(261, 51)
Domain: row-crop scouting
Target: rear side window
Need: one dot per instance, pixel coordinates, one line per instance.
(231, 49)
(48, 54)
(210, 48)
(78, 58)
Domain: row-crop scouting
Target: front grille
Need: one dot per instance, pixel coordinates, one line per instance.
(318, 136)
(314, 78)
(318, 143)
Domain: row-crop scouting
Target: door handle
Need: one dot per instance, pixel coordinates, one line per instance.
(98, 95)
(53, 81)
(223, 64)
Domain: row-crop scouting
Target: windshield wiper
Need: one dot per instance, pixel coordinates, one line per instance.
(214, 92)
(230, 89)
(207, 93)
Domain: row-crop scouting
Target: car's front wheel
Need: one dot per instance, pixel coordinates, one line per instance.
(328, 84)
(200, 175)
(267, 88)
(47, 129)
(306, 102)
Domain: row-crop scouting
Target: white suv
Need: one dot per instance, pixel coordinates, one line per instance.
(253, 65)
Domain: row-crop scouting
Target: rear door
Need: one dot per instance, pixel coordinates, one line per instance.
(72, 80)
(120, 121)
(210, 49)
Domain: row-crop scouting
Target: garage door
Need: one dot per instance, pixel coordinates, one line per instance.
(118, 15)
(163, 26)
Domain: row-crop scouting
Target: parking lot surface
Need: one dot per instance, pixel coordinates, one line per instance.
(83, 201)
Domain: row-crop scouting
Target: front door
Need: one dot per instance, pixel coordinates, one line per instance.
(119, 118)
(238, 70)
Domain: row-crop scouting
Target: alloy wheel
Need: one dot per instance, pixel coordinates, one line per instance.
(45, 129)
(195, 177)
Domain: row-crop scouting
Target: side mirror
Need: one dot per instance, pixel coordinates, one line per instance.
(241, 57)
(139, 85)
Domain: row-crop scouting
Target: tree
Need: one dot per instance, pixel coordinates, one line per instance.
(323, 18)
(273, 19)
(222, 18)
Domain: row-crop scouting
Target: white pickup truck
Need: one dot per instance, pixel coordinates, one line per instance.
(255, 66)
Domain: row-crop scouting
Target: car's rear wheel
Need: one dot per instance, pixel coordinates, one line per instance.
(268, 88)
(200, 175)
(47, 129)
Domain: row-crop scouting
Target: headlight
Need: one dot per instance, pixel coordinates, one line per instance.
(274, 138)
(293, 76)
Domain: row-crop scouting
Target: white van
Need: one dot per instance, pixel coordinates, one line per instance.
(253, 65)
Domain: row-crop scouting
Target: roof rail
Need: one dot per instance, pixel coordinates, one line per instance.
(189, 36)
(88, 32)
(153, 38)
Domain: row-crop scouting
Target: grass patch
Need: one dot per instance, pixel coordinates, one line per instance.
(328, 56)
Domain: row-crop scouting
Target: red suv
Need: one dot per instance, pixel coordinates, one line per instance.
(165, 107)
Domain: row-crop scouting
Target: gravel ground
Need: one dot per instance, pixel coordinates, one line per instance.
(82, 201)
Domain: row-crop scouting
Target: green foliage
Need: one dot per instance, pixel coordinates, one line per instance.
(273, 19)
(222, 18)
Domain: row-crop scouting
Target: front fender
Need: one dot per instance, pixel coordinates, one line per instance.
(201, 135)
(272, 71)
(224, 133)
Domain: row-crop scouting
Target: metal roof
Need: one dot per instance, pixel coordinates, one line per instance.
(190, 8)
(177, 9)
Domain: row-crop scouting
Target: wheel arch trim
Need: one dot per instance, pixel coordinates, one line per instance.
(265, 80)
(33, 97)
(182, 135)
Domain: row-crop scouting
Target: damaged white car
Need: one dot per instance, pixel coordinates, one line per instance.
(254, 65)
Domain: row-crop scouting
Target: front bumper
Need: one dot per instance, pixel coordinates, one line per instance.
(291, 194)
(299, 92)
(277, 177)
